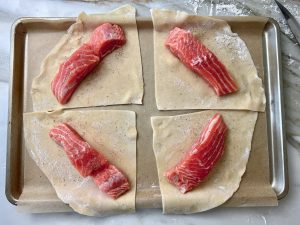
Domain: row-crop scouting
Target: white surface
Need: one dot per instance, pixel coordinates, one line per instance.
(288, 209)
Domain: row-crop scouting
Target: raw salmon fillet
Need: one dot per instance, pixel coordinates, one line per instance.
(90, 162)
(201, 158)
(73, 71)
(105, 38)
(193, 54)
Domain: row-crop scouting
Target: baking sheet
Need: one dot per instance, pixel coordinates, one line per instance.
(24, 177)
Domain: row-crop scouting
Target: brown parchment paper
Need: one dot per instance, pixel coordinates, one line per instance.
(255, 189)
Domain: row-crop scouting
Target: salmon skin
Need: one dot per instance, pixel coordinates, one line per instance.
(201, 157)
(194, 55)
(90, 162)
(104, 39)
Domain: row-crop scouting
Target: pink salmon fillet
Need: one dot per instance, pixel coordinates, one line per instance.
(201, 157)
(104, 39)
(194, 55)
(90, 162)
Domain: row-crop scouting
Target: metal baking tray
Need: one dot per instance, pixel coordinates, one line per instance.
(19, 86)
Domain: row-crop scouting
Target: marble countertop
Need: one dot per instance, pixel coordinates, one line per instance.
(289, 207)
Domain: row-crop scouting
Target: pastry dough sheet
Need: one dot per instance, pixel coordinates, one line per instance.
(116, 80)
(177, 87)
(174, 135)
(110, 131)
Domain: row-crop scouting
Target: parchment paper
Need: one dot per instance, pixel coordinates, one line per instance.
(255, 188)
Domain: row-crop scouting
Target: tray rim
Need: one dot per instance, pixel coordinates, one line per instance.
(13, 200)
(25, 20)
(285, 189)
